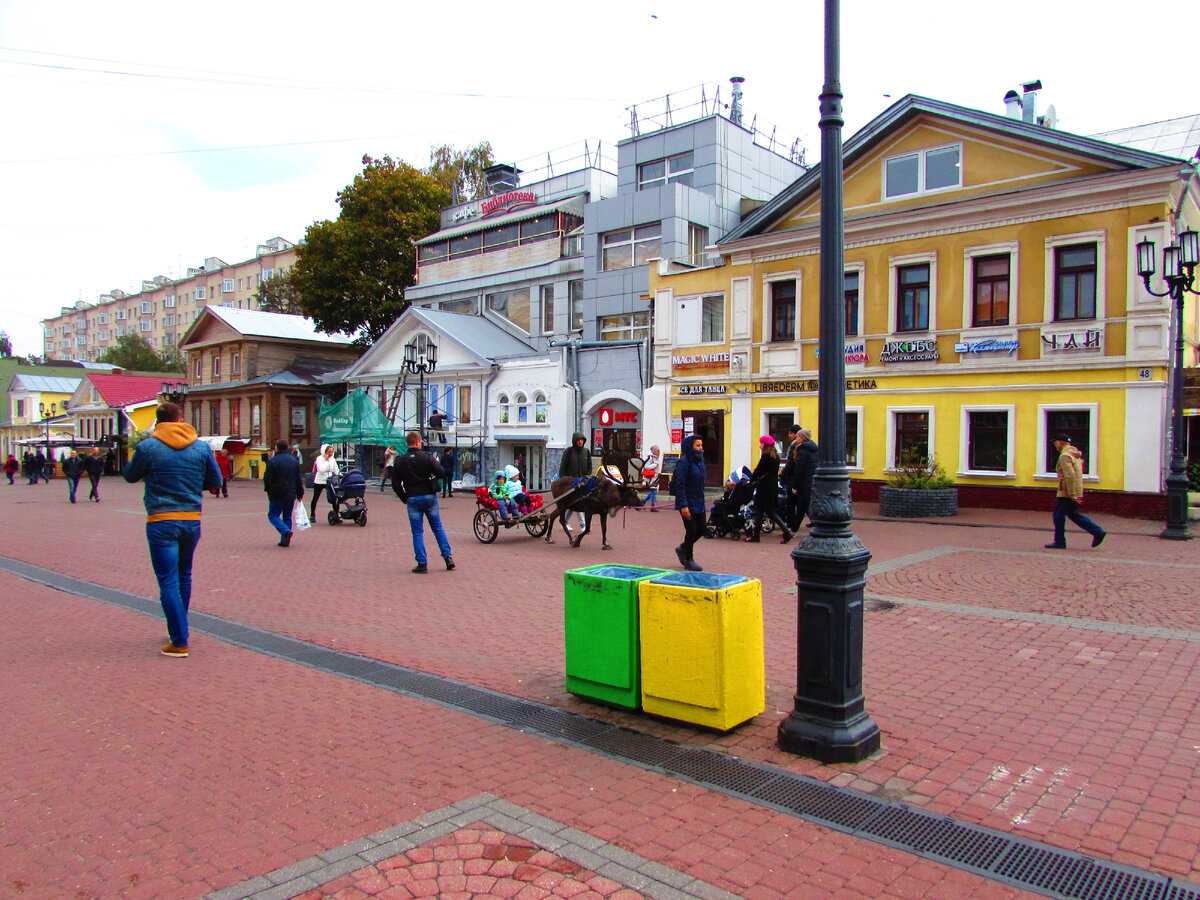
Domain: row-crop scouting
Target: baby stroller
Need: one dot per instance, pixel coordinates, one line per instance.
(348, 495)
(730, 516)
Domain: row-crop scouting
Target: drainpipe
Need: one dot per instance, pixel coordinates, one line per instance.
(574, 345)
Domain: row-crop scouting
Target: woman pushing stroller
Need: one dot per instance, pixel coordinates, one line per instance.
(766, 490)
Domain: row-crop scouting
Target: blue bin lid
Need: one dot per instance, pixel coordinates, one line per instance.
(709, 581)
(625, 573)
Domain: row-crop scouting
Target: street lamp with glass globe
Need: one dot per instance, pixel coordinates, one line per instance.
(1179, 267)
(420, 358)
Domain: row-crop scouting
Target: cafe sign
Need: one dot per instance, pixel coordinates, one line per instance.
(921, 350)
(1069, 341)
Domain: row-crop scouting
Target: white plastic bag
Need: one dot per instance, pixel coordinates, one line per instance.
(300, 517)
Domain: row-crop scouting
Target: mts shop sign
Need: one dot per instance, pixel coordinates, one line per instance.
(611, 417)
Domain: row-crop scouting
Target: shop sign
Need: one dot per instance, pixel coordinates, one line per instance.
(855, 354)
(988, 345)
(700, 360)
(507, 202)
(684, 389)
(809, 386)
(609, 417)
(922, 350)
(1073, 340)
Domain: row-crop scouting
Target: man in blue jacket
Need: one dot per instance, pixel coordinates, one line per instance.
(282, 482)
(687, 484)
(177, 469)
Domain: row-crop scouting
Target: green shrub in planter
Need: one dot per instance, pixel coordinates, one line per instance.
(920, 473)
(918, 489)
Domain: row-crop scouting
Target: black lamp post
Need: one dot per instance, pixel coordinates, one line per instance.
(420, 359)
(1179, 267)
(175, 391)
(828, 720)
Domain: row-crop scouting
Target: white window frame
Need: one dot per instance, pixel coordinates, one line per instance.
(856, 411)
(102, 319)
(145, 325)
(627, 330)
(169, 319)
(964, 442)
(235, 365)
(767, 317)
(890, 459)
(631, 242)
(895, 263)
(546, 307)
(503, 410)
(700, 301)
(120, 314)
(169, 301)
(104, 334)
(1012, 250)
(266, 275)
(860, 269)
(669, 175)
(227, 286)
(200, 292)
(1100, 239)
(1043, 439)
(146, 307)
(921, 156)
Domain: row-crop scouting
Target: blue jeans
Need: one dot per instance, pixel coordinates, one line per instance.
(1069, 509)
(279, 514)
(72, 485)
(172, 545)
(651, 498)
(506, 505)
(418, 508)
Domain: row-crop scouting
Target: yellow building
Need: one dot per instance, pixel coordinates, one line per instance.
(992, 302)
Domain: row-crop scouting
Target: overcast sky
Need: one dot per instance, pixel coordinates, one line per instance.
(142, 137)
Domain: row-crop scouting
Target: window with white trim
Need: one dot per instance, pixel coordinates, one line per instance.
(783, 310)
(912, 292)
(196, 370)
(146, 325)
(502, 403)
(546, 312)
(1075, 277)
(631, 246)
(923, 172)
(216, 367)
(200, 292)
(522, 404)
(227, 286)
(575, 305)
(169, 319)
(102, 319)
(146, 307)
(1077, 421)
(910, 435)
(986, 440)
(625, 327)
(700, 320)
(169, 301)
(676, 169)
(540, 407)
(235, 365)
(120, 313)
(854, 438)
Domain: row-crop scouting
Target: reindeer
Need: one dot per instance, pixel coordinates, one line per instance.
(603, 500)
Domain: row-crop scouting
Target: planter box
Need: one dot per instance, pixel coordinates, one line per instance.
(907, 503)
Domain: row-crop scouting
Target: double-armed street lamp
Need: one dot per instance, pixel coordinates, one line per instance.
(1179, 267)
(175, 391)
(46, 421)
(420, 358)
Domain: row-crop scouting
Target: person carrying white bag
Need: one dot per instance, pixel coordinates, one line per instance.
(284, 487)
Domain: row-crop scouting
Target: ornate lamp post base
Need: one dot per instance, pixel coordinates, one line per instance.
(828, 721)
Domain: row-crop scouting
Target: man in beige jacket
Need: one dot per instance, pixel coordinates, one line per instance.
(1070, 496)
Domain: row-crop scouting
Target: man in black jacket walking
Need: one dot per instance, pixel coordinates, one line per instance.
(282, 482)
(800, 483)
(417, 479)
(93, 464)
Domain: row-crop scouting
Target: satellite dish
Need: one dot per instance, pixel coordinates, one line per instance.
(1050, 119)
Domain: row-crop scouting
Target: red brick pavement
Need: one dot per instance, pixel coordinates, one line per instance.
(1080, 736)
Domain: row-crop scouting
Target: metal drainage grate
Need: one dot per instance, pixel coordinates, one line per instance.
(992, 854)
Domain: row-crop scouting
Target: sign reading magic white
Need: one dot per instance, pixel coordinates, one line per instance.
(700, 360)
(923, 350)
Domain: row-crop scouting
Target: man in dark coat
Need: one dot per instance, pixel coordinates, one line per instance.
(72, 470)
(284, 486)
(687, 484)
(416, 479)
(576, 462)
(39, 467)
(801, 481)
(94, 465)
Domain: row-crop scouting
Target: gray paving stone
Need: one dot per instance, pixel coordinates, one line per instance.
(296, 869)
(585, 858)
(288, 889)
(542, 838)
(581, 838)
(621, 856)
(346, 850)
(665, 874)
(624, 875)
(242, 890)
(387, 850)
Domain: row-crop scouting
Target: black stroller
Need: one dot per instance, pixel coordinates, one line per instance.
(348, 496)
(731, 515)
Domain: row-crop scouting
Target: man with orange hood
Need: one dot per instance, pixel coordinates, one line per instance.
(177, 469)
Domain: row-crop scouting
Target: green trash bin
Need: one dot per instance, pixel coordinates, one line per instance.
(600, 606)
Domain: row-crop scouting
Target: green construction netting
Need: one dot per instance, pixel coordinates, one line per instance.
(358, 420)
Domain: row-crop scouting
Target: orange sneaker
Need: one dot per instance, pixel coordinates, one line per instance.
(173, 651)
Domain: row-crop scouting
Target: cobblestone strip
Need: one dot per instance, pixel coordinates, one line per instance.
(633, 871)
(987, 612)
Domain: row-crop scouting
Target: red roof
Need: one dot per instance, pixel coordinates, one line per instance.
(126, 390)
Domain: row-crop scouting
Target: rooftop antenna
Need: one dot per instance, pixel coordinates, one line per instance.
(735, 111)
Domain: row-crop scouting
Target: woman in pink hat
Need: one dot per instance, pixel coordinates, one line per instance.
(766, 490)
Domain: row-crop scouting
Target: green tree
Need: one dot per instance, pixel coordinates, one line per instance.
(133, 352)
(172, 358)
(279, 295)
(5, 345)
(351, 273)
(462, 172)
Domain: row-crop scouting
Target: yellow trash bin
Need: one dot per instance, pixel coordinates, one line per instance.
(702, 648)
